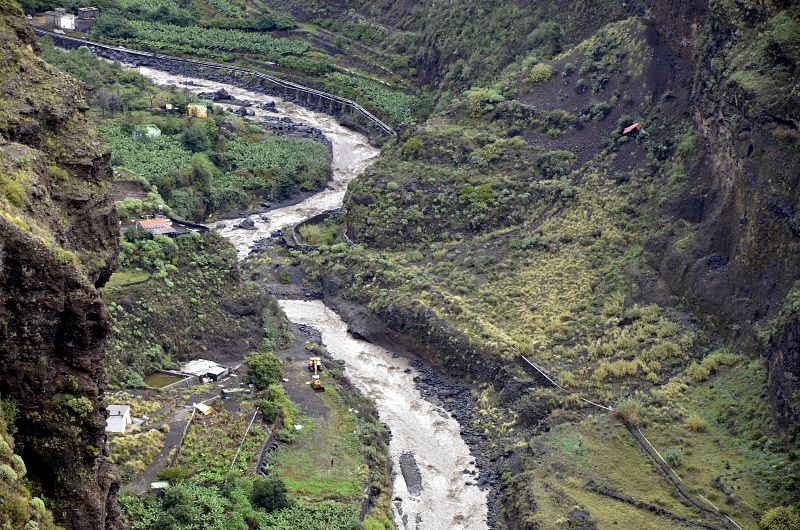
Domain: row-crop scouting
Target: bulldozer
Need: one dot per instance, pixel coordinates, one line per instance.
(315, 367)
(316, 384)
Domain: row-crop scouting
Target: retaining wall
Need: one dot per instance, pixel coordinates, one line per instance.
(360, 119)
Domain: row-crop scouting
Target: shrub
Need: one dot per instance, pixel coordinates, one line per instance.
(12, 190)
(79, 406)
(269, 494)
(5, 449)
(19, 465)
(781, 518)
(540, 73)
(674, 456)
(695, 424)
(165, 522)
(269, 410)
(173, 474)
(481, 100)
(697, 372)
(630, 411)
(263, 369)
(413, 148)
(7, 473)
(38, 505)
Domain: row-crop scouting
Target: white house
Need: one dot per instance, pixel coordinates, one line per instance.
(207, 370)
(60, 19)
(119, 417)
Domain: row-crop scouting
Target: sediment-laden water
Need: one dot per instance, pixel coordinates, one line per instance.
(427, 452)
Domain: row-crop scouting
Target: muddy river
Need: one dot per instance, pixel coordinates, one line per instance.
(351, 155)
(427, 452)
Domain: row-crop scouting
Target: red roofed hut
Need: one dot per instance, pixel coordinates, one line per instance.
(631, 128)
(157, 226)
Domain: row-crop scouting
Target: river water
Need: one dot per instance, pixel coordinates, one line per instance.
(352, 154)
(434, 496)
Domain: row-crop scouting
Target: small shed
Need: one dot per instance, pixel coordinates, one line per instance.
(197, 110)
(636, 127)
(203, 409)
(119, 417)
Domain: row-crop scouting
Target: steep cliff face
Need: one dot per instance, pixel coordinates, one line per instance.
(58, 243)
(740, 262)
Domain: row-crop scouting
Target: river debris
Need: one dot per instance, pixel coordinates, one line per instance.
(411, 474)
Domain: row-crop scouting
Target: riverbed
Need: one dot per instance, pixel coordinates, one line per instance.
(429, 457)
(352, 154)
(430, 490)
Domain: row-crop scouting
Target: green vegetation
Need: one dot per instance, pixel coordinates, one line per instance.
(399, 106)
(197, 507)
(262, 370)
(326, 461)
(192, 39)
(194, 298)
(269, 494)
(197, 168)
(132, 453)
(211, 445)
(19, 508)
(481, 237)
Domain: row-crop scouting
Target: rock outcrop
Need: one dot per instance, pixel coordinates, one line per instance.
(740, 265)
(58, 244)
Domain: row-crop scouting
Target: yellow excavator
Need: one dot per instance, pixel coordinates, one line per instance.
(315, 367)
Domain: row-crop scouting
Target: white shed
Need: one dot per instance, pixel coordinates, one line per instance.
(119, 417)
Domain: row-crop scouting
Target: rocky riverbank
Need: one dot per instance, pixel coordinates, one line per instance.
(445, 391)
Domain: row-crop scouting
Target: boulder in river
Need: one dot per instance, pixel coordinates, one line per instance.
(247, 224)
(220, 225)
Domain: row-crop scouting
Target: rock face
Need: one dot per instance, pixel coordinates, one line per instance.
(741, 264)
(58, 244)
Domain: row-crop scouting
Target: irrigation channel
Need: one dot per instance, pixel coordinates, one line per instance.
(427, 452)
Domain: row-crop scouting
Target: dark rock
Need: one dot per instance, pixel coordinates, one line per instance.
(247, 224)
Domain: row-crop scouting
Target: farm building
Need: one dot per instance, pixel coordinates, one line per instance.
(161, 224)
(205, 370)
(158, 225)
(119, 417)
(60, 19)
(87, 16)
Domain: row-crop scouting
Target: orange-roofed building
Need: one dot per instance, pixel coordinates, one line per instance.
(635, 127)
(157, 226)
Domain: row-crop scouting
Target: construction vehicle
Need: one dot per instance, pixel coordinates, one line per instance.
(316, 384)
(315, 367)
